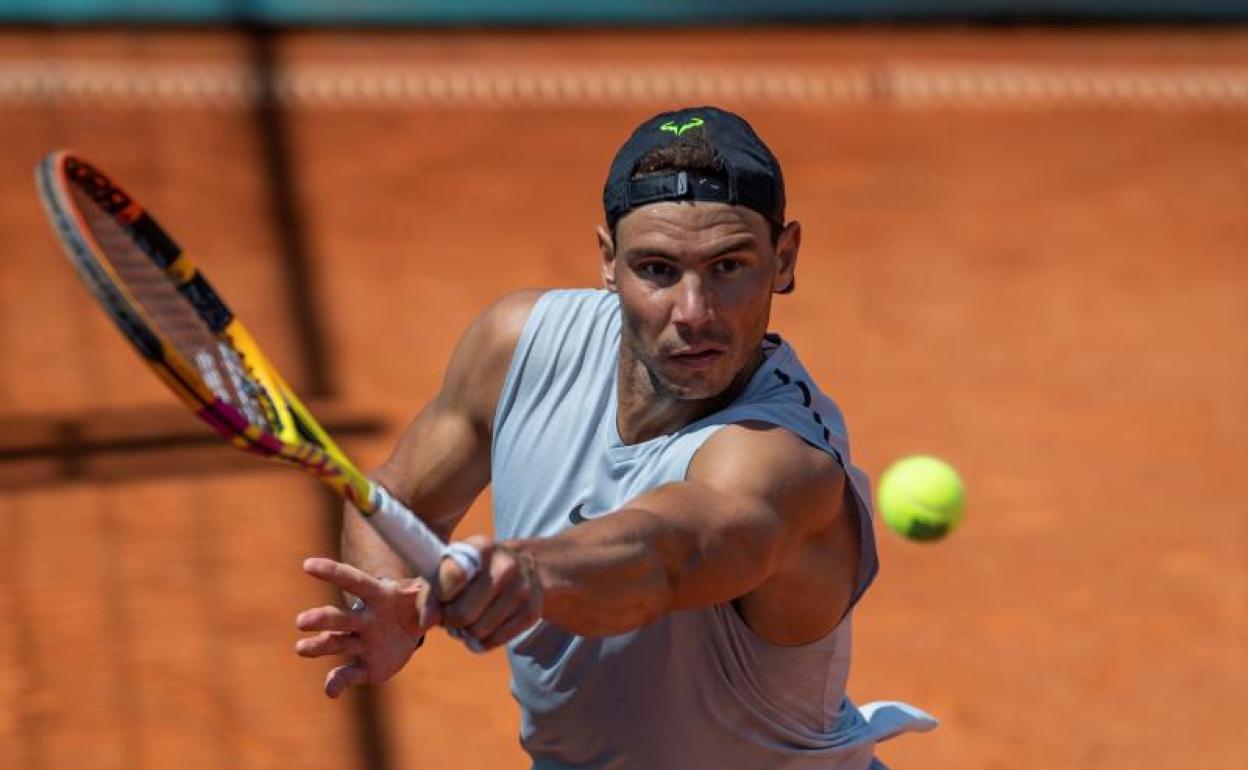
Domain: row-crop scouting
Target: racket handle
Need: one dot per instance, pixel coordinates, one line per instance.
(412, 540)
(419, 547)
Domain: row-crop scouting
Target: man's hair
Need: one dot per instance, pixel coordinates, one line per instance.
(693, 153)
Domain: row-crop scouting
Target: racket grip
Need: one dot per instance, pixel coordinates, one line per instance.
(419, 546)
(408, 536)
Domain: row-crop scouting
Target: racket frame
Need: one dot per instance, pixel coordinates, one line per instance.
(301, 441)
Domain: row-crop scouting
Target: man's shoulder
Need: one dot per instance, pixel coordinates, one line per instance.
(766, 460)
(525, 334)
(479, 364)
(784, 393)
(567, 330)
(579, 302)
(788, 374)
(506, 316)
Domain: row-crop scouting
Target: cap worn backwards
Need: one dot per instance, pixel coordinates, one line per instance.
(751, 174)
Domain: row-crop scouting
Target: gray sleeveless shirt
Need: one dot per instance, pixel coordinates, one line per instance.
(696, 688)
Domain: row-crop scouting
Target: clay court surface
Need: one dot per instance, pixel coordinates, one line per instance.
(1045, 284)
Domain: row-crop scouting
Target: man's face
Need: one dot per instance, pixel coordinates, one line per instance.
(695, 282)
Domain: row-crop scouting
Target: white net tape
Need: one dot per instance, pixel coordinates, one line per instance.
(900, 85)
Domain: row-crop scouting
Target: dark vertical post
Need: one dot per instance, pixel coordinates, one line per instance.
(272, 131)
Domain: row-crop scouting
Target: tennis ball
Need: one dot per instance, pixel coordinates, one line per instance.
(921, 497)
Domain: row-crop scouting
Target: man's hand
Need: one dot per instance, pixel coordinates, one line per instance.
(380, 636)
(504, 598)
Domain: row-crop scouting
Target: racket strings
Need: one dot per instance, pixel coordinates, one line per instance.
(174, 317)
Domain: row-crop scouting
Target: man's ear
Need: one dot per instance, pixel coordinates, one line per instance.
(787, 245)
(606, 246)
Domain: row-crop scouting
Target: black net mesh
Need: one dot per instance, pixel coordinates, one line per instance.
(173, 318)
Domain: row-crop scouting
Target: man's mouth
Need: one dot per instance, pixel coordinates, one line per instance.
(699, 357)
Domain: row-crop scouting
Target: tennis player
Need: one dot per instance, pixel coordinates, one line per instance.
(681, 537)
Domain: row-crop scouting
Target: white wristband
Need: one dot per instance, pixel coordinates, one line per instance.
(469, 560)
(466, 556)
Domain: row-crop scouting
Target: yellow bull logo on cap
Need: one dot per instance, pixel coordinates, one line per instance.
(683, 127)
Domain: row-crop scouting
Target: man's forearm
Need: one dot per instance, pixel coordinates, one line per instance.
(360, 545)
(622, 571)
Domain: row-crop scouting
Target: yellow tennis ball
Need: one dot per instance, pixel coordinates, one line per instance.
(921, 498)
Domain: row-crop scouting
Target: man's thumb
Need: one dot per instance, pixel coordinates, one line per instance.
(451, 578)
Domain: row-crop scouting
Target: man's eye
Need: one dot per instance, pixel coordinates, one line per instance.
(656, 270)
(725, 266)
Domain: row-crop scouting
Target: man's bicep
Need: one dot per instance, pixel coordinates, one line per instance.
(800, 485)
(752, 497)
(811, 582)
(714, 545)
(478, 367)
(438, 467)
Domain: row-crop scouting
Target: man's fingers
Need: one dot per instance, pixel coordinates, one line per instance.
(494, 615)
(525, 616)
(329, 618)
(339, 679)
(329, 643)
(346, 577)
(428, 610)
(469, 603)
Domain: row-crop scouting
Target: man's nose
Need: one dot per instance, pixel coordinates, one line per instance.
(693, 305)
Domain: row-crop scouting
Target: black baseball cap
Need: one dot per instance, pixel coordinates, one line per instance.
(750, 173)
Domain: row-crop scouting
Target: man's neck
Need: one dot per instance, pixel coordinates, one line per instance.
(645, 411)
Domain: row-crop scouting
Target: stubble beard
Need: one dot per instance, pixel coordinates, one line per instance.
(662, 388)
(665, 389)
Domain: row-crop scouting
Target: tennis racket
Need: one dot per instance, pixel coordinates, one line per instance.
(184, 331)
